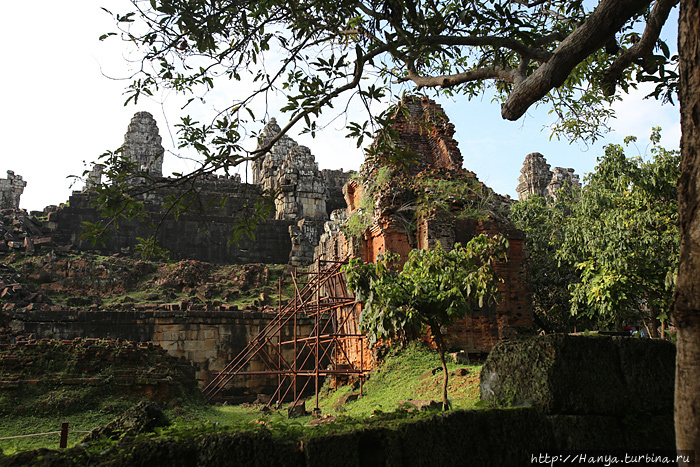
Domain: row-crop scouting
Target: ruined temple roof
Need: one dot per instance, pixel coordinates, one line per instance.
(421, 129)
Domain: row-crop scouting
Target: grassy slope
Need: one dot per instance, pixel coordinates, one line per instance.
(398, 379)
(406, 375)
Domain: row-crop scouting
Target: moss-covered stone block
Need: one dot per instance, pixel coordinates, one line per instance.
(247, 449)
(649, 371)
(581, 375)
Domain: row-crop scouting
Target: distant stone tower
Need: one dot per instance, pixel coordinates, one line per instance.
(560, 177)
(142, 144)
(11, 188)
(537, 179)
(291, 169)
(535, 176)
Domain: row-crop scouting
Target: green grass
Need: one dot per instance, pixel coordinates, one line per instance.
(405, 374)
(86, 420)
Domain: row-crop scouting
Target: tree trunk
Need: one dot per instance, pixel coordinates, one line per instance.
(435, 330)
(686, 300)
(654, 320)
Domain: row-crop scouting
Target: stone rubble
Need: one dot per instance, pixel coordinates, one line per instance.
(20, 231)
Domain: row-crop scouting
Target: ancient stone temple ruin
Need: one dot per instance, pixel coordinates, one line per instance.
(302, 194)
(291, 170)
(11, 188)
(537, 179)
(403, 210)
(142, 145)
(400, 208)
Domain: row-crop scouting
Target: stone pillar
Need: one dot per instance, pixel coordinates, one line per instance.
(94, 178)
(142, 145)
(11, 188)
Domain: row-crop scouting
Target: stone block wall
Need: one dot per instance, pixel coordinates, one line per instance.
(110, 366)
(584, 381)
(305, 236)
(208, 339)
(204, 235)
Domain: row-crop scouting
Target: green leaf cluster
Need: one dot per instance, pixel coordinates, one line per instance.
(623, 238)
(434, 288)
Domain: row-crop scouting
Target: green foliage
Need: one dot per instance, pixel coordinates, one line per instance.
(149, 250)
(435, 288)
(543, 224)
(321, 55)
(430, 193)
(260, 211)
(608, 254)
(362, 217)
(623, 237)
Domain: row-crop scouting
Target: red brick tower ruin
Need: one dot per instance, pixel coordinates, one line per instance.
(424, 197)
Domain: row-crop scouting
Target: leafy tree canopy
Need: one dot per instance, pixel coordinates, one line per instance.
(543, 223)
(608, 254)
(571, 55)
(623, 236)
(320, 55)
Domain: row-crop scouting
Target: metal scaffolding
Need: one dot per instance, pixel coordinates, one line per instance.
(298, 359)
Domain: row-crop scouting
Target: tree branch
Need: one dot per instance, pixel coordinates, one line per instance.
(357, 77)
(657, 18)
(447, 81)
(605, 21)
(498, 42)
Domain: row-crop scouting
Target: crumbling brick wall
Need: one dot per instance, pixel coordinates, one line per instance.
(512, 315)
(424, 130)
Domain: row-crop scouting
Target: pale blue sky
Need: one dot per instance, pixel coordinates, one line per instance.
(60, 110)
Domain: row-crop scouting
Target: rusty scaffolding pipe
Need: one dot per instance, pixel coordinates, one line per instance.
(326, 298)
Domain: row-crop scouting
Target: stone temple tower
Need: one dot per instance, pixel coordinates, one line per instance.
(142, 144)
(291, 169)
(537, 179)
(535, 176)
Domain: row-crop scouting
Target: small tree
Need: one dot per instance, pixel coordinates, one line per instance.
(435, 288)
